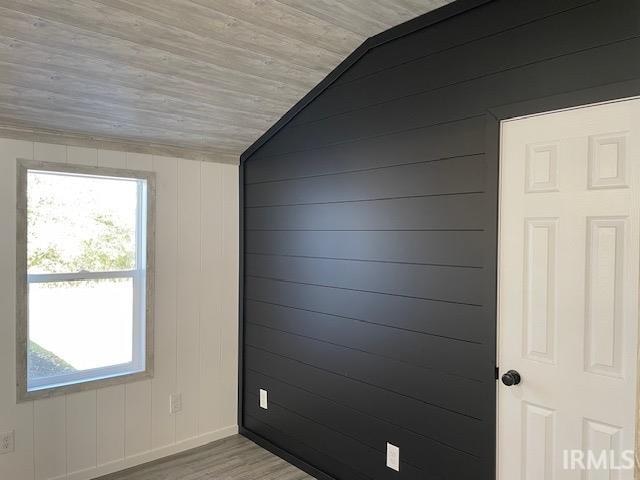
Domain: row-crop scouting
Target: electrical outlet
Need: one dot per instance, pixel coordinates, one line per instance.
(393, 457)
(175, 403)
(263, 399)
(7, 442)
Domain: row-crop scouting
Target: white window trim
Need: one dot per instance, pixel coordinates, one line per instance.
(142, 275)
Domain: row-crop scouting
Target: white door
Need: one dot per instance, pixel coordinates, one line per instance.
(568, 293)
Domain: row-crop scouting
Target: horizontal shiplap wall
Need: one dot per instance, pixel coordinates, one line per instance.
(83, 435)
(370, 238)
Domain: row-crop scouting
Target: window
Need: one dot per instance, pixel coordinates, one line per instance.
(85, 256)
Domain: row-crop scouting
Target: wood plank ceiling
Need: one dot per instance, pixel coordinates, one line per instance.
(206, 75)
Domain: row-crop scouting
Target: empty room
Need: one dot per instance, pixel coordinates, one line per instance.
(330, 239)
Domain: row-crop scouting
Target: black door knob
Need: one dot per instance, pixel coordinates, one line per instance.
(511, 378)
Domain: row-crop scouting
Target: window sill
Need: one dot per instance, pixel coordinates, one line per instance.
(25, 396)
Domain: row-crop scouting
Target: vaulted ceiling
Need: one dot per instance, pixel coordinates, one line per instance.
(208, 75)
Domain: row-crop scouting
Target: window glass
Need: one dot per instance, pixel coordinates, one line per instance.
(78, 223)
(86, 277)
(77, 326)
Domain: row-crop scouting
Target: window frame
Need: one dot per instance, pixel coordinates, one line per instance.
(143, 275)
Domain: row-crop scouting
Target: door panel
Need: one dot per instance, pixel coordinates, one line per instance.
(568, 291)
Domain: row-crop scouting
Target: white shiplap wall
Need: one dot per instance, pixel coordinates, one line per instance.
(80, 436)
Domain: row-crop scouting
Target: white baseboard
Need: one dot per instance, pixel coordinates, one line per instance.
(150, 455)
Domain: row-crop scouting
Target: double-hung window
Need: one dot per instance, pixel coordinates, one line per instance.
(84, 289)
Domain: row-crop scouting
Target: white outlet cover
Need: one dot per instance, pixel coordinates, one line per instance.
(263, 399)
(7, 442)
(393, 457)
(175, 403)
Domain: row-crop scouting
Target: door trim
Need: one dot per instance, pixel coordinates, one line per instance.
(607, 94)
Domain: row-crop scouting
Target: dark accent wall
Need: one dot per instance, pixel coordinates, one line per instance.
(370, 234)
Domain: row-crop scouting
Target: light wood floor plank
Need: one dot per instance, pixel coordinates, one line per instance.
(233, 458)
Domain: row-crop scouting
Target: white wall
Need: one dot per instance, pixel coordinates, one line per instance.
(80, 436)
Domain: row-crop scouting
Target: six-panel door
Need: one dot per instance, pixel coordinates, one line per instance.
(568, 293)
